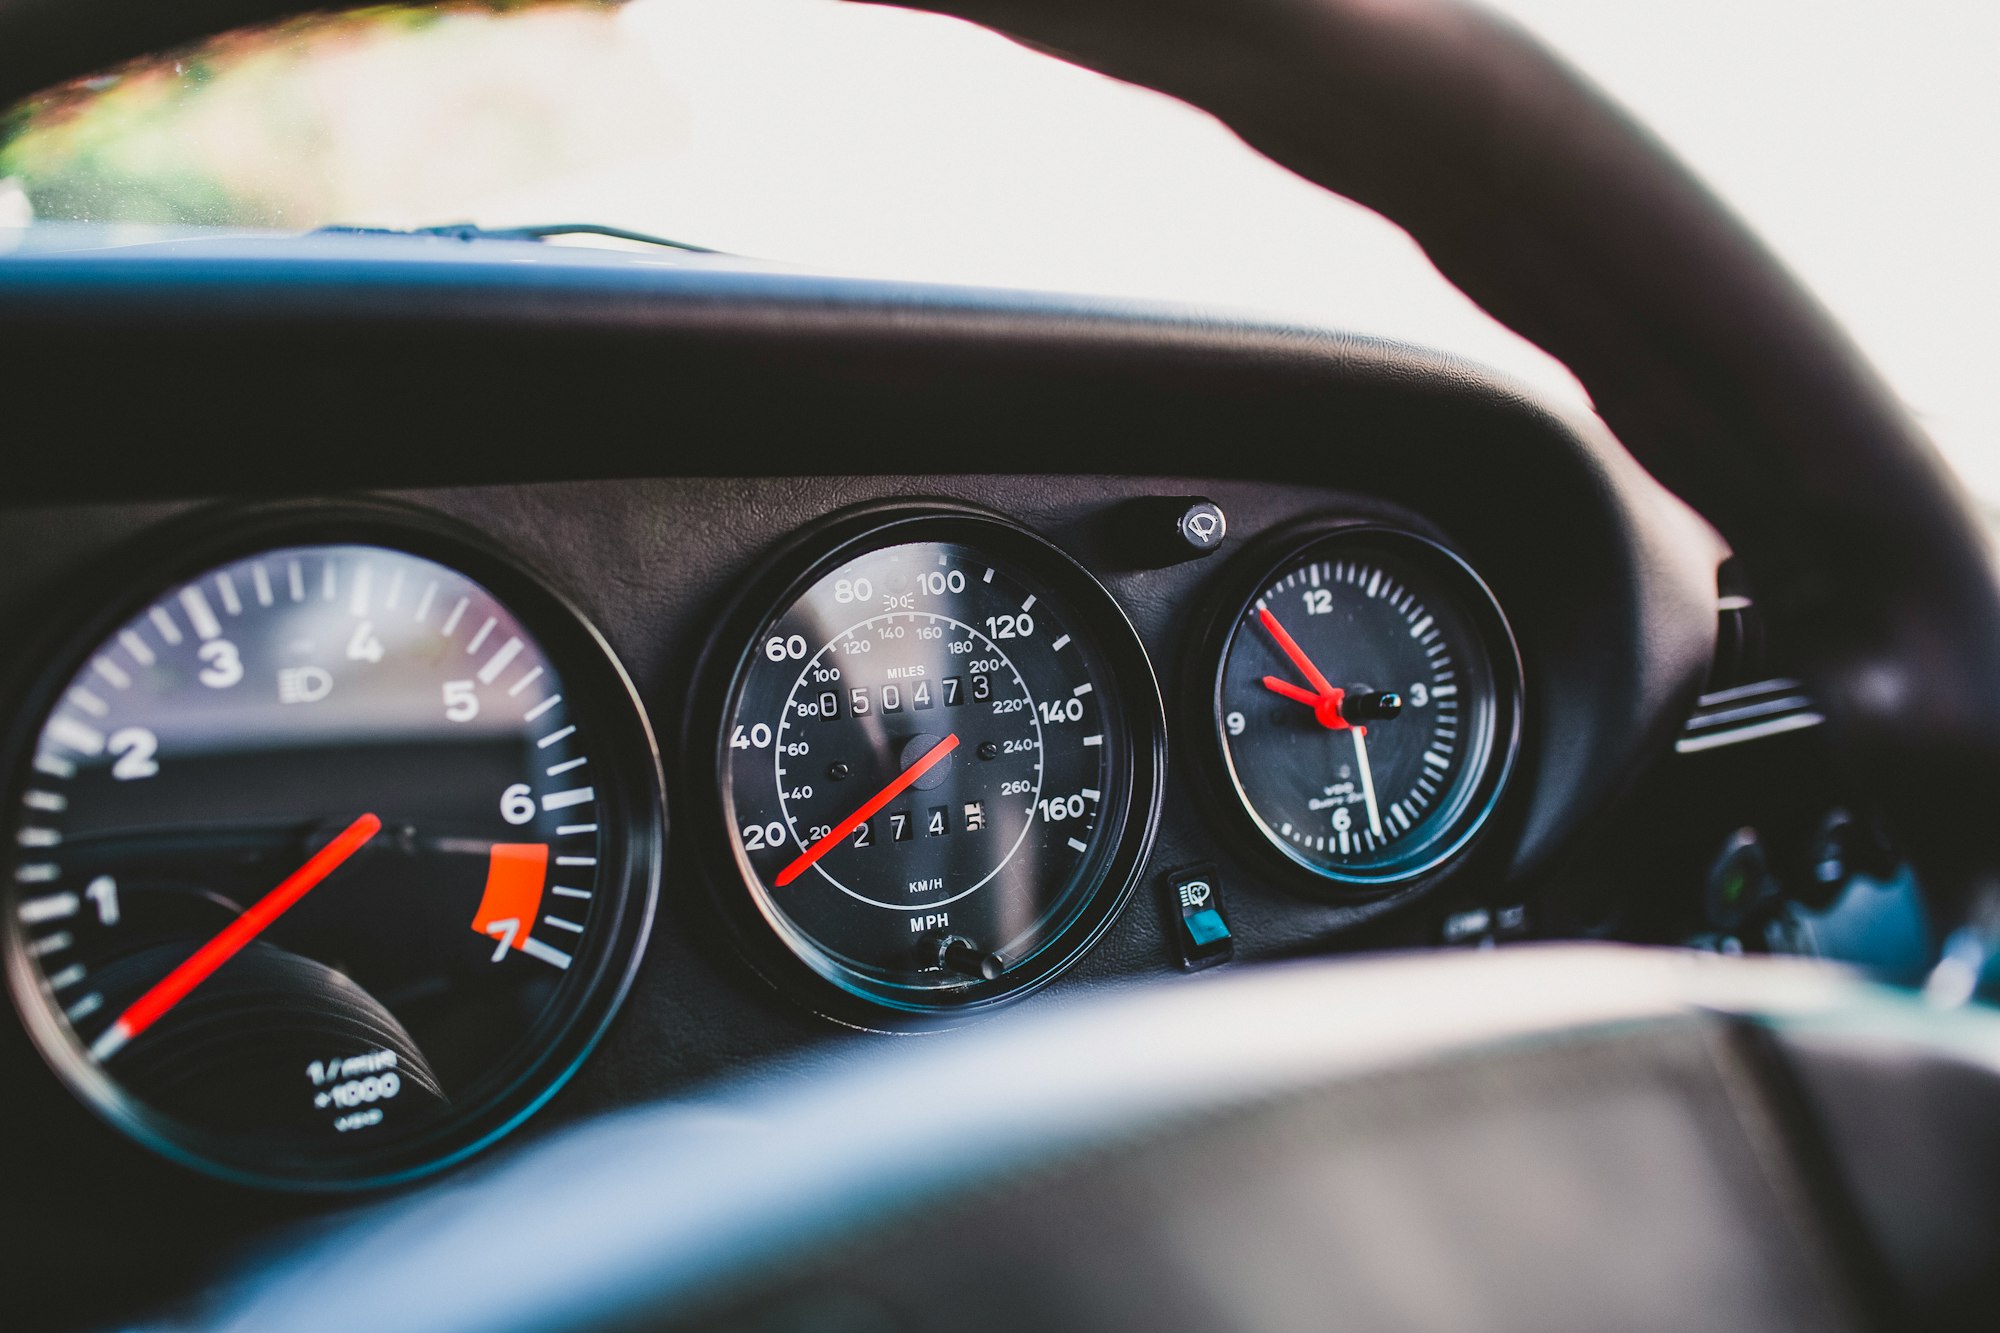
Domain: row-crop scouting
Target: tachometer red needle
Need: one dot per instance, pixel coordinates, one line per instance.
(931, 758)
(149, 1008)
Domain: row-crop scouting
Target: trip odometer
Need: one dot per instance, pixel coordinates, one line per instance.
(939, 761)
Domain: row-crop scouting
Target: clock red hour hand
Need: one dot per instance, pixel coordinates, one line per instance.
(1324, 698)
(1298, 694)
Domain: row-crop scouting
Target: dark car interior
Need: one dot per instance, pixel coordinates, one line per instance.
(1035, 810)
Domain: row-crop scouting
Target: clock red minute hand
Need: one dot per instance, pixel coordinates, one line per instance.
(1325, 697)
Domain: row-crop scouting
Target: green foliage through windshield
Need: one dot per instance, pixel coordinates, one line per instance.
(261, 128)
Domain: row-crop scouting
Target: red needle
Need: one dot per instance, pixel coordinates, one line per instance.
(1326, 697)
(149, 1008)
(811, 855)
(1296, 693)
(1296, 653)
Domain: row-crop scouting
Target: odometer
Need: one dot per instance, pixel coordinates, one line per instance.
(939, 762)
(1366, 703)
(332, 854)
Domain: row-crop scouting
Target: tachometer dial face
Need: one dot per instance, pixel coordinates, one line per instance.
(1366, 703)
(936, 761)
(330, 860)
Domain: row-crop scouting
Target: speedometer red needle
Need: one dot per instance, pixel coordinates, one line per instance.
(811, 855)
(149, 1008)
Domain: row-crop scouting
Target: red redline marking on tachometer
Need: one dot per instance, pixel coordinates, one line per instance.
(811, 855)
(515, 874)
(170, 990)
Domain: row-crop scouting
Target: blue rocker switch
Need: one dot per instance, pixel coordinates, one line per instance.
(1201, 934)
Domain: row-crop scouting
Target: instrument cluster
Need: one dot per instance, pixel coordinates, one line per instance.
(338, 830)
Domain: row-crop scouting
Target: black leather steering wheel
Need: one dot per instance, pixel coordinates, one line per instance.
(1549, 1138)
(1572, 225)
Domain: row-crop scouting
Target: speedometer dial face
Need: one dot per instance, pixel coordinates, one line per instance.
(330, 860)
(936, 760)
(1366, 703)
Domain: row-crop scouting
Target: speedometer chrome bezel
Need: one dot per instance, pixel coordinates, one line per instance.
(1240, 584)
(184, 548)
(771, 947)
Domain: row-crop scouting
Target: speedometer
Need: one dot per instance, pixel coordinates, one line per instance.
(333, 848)
(939, 760)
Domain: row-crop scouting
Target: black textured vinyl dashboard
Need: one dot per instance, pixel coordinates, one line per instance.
(645, 451)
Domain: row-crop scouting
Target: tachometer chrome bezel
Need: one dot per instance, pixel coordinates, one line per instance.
(185, 547)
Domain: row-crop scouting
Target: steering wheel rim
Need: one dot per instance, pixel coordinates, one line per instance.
(1567, 221)
(1549, 207)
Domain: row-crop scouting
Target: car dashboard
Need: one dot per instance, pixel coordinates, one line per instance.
(601, 675)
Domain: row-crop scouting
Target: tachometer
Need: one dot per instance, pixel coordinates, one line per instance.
(331, 856)
(939, 761)
(1366, 702)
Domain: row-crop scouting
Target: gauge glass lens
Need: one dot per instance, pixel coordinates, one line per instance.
(928, 767)
(1366, 704)
(318, 857)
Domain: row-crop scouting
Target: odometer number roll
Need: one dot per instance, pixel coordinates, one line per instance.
(939, 763)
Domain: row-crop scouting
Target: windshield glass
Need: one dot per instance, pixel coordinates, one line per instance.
(877, 141)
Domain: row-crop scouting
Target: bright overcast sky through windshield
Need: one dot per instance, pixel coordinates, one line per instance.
(878, 141)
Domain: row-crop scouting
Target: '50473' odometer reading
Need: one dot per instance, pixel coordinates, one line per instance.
(927, 765)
